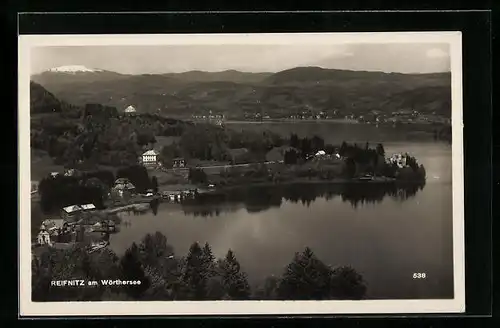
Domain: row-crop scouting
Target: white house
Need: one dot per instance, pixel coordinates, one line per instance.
(43, 238)
(122, 187)
(150, 157)
(130, 110)
(88, 207)
(69, 212)
(398, 159)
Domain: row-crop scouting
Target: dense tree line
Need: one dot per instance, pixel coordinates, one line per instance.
(96, 134)
(257, 198)
(138, 176)
(306, 145)
(208, 142)
(60, 191)
(89, 187)
(197, 176)
(196, 276)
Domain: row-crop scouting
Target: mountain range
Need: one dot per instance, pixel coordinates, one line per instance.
(233, 92)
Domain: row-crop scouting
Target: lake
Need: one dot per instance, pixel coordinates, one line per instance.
(385, 233)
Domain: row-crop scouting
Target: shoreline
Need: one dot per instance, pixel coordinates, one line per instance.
(307, 181)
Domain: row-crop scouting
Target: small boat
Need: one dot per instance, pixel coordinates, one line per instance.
(366, 178)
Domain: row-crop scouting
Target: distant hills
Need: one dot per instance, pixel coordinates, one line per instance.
(42, 101)
(233, 93)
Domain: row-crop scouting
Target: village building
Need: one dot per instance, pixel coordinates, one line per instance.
(43, 238)
(103, 226)
(121, 189)
(69, 173)
(179, 192)
(90, 221)
(130, 111)
(178, 162)
(398, 159)
(150, 158)
(88, 207)
(54, 226)
(121, 181)
(71, 212)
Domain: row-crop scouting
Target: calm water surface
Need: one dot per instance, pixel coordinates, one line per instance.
(386, 239)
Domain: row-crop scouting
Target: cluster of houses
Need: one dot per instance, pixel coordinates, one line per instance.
(179, 195)
(150, 159)
(77, 223)
(322, 155)
(398, 159)
(400, 116)
(122, 187)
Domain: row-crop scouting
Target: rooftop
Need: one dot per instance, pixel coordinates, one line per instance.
(124, 186)
(53, 223)
(88, 207)
(151, 152)
(72, 208)
(121, 180)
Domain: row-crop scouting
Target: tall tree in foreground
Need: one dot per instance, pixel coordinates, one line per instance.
(268, 290)
(208, 260)
(234, 281)
(194, 276)
(154, 249)
(347, 284)
(305, 278)
(131, 268)
(215, 288)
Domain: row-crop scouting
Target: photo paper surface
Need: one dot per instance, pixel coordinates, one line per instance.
(241, 174)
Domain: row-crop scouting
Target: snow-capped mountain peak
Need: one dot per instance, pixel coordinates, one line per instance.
(73, 69)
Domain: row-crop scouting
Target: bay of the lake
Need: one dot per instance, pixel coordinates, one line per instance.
(385, 238)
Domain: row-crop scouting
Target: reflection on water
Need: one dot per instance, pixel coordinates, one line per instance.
(386, 232)
(261, 198)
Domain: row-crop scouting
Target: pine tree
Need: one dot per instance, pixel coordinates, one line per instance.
(233, 279)
(208, 260)
(154, 249)
(294, 141)
(131, 269)
(343, 149)
(267, 291)
(347, 284)
(194, 275)
(305, 278)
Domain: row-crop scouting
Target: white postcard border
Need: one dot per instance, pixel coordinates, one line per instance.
(29, 308)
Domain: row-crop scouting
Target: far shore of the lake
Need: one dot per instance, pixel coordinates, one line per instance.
(236, 185)
(289, 120)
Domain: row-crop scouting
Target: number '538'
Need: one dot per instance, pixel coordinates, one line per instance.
(419, 275)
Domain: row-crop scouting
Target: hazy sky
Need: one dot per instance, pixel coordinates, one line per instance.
(404, 58)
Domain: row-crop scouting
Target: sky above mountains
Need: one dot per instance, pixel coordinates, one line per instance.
(395, 57)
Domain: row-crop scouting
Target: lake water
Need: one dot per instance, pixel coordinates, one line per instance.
(386, 234)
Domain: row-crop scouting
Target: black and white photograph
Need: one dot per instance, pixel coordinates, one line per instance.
(241, 174)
